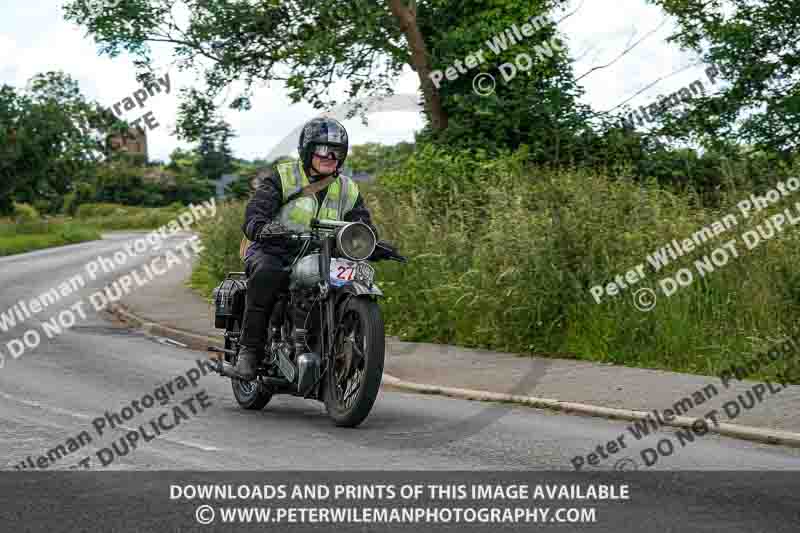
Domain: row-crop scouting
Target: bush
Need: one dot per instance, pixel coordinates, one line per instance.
(26, 213)
(119, 217)
(83, 192)
(221, 239)
(98, 210)
(70, 205)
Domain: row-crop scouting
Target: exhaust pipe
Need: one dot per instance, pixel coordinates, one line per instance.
(225, 369)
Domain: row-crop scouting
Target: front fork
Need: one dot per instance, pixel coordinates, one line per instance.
(328, 307)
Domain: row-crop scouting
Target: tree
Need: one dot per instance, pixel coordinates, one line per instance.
(307, 44)
(50, 136)
(753, 48)
(374, 158)
(11, 150)
(239, 189)
(214, 151)
(537, 105)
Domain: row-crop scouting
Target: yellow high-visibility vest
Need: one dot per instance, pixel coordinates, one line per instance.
(296, 215)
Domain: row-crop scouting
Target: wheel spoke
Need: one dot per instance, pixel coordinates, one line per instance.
(353, 391)
(350, 371)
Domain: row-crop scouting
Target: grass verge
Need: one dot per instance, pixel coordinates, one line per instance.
(89, 222)
(30, 236)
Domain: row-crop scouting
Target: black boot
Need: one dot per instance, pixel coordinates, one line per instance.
(247, 363)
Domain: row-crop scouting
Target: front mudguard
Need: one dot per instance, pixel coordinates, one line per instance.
(356, 288)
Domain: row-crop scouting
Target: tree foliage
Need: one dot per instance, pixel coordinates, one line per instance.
(50, 135)
(215, 156)
(306, 44)
(755, 47)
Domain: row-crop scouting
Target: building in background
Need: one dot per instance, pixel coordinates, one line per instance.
(133, 142)
(223, 182)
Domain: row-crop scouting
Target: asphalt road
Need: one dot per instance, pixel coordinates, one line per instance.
(54, 392)
(52, 395)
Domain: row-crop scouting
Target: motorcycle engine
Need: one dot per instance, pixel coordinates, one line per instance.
(306, 272)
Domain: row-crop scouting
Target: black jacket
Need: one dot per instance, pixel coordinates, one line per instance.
(264, 206)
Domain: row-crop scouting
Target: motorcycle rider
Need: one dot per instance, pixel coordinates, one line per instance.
(285, 202)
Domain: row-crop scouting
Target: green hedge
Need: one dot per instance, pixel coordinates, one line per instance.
(105, 216)
(502, 256)
(221, 239)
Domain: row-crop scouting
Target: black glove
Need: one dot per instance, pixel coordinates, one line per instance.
(272, 230)
(385, 250)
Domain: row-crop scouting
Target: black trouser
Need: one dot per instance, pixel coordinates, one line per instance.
(266, 277)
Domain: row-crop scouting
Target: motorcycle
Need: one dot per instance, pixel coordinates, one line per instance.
(325, 338)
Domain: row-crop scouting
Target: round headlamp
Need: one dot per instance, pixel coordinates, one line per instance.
(356, 241)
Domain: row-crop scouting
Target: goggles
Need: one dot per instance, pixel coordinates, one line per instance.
(325, 151)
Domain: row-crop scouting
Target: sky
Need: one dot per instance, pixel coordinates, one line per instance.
(35, 38)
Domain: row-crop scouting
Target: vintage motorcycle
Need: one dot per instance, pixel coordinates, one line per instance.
(325, 337)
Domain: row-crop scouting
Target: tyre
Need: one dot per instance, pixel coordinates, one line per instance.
(352, 384)
(251, 395)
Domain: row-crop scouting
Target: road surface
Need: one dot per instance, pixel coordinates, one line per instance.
(51, 394)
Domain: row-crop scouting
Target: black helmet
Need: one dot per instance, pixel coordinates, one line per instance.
(323, 131)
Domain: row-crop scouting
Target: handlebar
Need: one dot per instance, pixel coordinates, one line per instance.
(316, 223)
(289, 235)
(326, 223)
(389, 252)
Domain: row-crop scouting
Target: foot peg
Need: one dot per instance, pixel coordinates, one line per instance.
(226, 369)
(223, 367)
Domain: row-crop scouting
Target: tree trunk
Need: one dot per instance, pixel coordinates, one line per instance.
(407, 17)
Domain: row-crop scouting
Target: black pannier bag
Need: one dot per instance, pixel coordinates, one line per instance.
(229, 299)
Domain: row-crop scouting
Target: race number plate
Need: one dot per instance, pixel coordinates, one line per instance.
(343, 271)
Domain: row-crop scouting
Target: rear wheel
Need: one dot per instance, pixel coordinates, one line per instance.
(353, 382)
(251, 395)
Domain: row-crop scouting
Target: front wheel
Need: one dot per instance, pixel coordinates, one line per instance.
(354, 377)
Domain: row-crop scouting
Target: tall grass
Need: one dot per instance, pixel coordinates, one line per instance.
(502, 256)
(221, 238)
